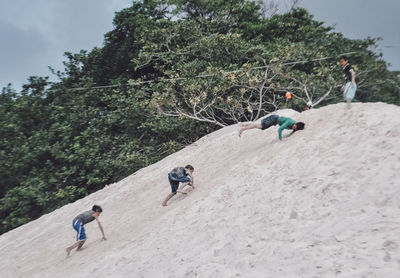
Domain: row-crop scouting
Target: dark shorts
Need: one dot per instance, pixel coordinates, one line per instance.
(269, 121)
(175, 180)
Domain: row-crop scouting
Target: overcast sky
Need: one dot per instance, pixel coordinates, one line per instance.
(35, 33)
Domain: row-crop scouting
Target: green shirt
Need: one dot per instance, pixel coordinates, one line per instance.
(285, 123)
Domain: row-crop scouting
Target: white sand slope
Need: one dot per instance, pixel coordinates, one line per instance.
(324, 202)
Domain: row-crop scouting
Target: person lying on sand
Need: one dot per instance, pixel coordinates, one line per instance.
(177, 175)
(78, 224)
(284, 123)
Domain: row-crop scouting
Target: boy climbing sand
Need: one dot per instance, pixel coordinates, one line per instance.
(284, 123)
(78, 224)
(177, 175)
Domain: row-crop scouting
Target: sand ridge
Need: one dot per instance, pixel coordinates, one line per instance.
(323, 202)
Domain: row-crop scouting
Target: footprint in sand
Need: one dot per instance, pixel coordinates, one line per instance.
(387, 257)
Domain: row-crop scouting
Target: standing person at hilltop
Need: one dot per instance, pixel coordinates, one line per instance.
(284, 123)
(350, 86)
(78, 224)
(177, 175)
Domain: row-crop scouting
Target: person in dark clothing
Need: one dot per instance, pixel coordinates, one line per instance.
(177, 175)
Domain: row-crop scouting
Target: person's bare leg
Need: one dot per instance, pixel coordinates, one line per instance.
(167, 199)
(245, 123)
(348, 103)
(73, 246)
(249, 125)
(80, 245)
(183, 186)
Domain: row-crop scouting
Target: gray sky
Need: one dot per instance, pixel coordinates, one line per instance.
(359, 19)
(35, 33)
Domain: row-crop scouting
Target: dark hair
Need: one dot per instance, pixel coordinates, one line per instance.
(300, 125)
(97, 208)
(344, 58)
(190, 167)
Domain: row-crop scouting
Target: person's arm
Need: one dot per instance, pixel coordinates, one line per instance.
(100, 227)
(281, 128)
(290, 134)
(183, 192)
(353, 77)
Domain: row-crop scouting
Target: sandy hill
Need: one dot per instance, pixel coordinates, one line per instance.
(323, 202)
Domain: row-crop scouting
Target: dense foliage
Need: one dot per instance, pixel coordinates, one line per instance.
(179, 70)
